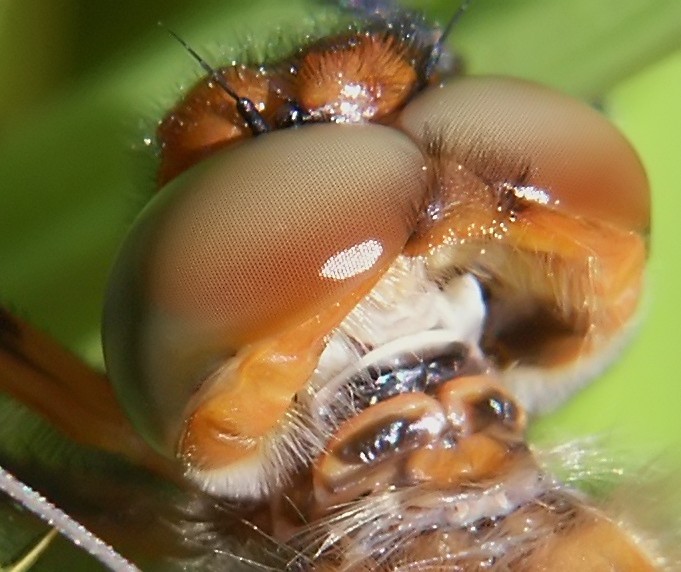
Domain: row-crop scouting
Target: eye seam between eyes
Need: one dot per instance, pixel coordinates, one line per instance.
(482, 164)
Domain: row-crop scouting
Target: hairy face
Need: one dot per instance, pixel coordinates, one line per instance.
(355, 279)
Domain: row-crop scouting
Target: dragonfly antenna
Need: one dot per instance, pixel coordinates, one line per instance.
(439, 45)
(246, 108)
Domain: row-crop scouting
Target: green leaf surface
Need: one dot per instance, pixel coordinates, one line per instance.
(84, 84)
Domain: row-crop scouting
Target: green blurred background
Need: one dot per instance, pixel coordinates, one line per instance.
(84, 82)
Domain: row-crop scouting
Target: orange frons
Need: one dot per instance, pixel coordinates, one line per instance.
(371, 75)
(353, 77)
(247, 400)
(578, 280)
(207, 119)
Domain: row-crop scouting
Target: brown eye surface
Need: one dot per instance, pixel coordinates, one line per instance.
(252, 242)
(547, 203)
(207, 119)
(360, 75)
(502, 129)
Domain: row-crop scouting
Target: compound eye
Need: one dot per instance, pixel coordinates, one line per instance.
(207, 118)
(549, 205)
(288, 229)
(511, 131)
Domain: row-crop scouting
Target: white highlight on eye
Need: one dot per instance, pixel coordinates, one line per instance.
(352, 261)
(534, 194)
(406, 312)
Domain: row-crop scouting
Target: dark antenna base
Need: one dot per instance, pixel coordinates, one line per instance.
(246, 108)
(438, 47)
